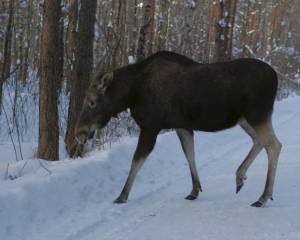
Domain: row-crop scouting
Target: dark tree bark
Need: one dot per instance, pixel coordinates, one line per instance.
(141, 51)
(26, 46)
(272, 27)
(210, 14)
(151, 26)
(5, 71)
(219, 33)
(230, 30)
(60, 49)
(281, 23)
(48, 145)
(256, 25)
(117, 29)
(189, 14)
(83, 70)
(225, 11)
(161, 32)
(134, 31)
(70, 47)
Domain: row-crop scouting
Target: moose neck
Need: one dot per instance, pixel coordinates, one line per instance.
(125, 79)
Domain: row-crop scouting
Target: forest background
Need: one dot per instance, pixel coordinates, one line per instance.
(50, 49)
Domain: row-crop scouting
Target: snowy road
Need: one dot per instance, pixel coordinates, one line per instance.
(75, 201)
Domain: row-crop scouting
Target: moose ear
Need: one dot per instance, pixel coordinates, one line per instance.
(106, 79)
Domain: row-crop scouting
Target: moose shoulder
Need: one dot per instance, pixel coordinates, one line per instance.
(168, 90)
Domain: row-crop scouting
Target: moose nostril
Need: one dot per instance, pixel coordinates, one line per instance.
(92, 104)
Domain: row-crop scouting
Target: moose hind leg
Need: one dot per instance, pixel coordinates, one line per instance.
(187, 142)
(147, 140)
(267, 138)
(256, 149)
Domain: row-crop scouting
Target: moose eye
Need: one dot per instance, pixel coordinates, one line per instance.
(92, 104)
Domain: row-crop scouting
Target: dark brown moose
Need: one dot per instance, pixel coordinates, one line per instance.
(168, 90)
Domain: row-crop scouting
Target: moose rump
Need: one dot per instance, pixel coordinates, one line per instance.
(168, 90)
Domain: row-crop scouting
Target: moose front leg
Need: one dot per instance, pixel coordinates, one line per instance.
(187, 142)
(147, 140)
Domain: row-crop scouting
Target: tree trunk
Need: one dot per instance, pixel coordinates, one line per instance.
(83, 70)
(224, 20)
(123, 40)
(256, 27)
(281, 22)
(141, 51)
(134, 31)
(26, 46)
(116, 35)
(70, 47)
(251, 30)
(245, 28)
(60, 49)
(168, 23)
(218, 31)
(48, 146)
(151, 27)
(111, 40)
(272, 28)
(6, 58)
(189, 14)
(205, 52)
(161, 34)
(209, 35)
(230, 30)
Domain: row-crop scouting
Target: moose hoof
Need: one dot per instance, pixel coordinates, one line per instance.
(238, 188)
(191, 197)
(120, 200)
(257, 204)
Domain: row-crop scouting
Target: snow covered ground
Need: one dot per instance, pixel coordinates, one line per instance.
(73, 199)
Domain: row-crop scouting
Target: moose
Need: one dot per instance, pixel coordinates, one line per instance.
(170, 91)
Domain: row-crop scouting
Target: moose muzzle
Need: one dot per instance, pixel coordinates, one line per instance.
(81, 134)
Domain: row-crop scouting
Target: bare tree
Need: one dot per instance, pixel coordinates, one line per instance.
(189, 15)
(232, 11)
(26, 44)
(161, 28)
(151, 26)
(4, 73)
(272, 27)
(141, 51)
(133, 31)
(256, 25)
(225, 11)
(71, 36)
(83, 70)
(210, 14)
(48, 147)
